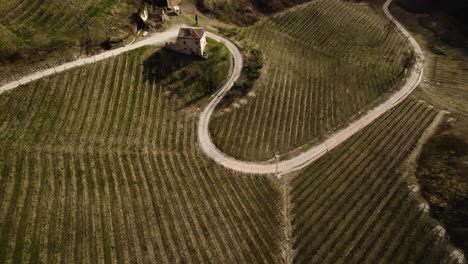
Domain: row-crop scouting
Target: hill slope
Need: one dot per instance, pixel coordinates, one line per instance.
(100, 164)
(243, 12)
(319, 73)
(35, 31)
(354, 205)
(440, 26)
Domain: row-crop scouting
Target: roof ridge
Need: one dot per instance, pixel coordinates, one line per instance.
(191, 32)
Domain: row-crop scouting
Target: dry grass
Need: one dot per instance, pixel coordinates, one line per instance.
(40, 32)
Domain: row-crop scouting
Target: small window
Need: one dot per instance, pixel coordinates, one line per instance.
(185, 42)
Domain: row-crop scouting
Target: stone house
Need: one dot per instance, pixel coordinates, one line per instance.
(190, 41)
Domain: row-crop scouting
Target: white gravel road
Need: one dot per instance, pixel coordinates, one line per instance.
(314, 153)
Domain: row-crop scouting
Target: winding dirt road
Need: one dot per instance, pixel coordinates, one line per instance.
(314, 153)
(204, 138)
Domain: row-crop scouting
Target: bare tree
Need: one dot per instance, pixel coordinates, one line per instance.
(82, 18)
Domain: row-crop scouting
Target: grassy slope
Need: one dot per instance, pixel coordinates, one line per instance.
(353, 206)
(442, 172)
(446, 75)
(319, 73)
(231, 11)
(448, 18)
(440, 168)
(243, 12)
(100, 163)
(34, 31)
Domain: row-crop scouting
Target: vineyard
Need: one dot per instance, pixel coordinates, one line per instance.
(100, 164)
(448, 83)
(449, 72)
(440, 169)
(319, 74)
(35, 13)
(354, 206)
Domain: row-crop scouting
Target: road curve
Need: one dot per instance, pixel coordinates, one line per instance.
(300, 161)
(204, 139)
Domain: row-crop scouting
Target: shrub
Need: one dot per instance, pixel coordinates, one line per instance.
(253, 63)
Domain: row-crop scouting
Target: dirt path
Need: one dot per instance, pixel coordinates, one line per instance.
(314, 153)
(288, 228)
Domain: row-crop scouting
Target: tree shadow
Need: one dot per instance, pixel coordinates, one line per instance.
(164, 64)
(175, 72)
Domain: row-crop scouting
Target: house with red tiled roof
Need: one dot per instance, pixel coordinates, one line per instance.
(190, 41)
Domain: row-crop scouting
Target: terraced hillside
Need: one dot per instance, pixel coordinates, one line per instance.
(100, 164)
(322, 69)
(354, 206)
